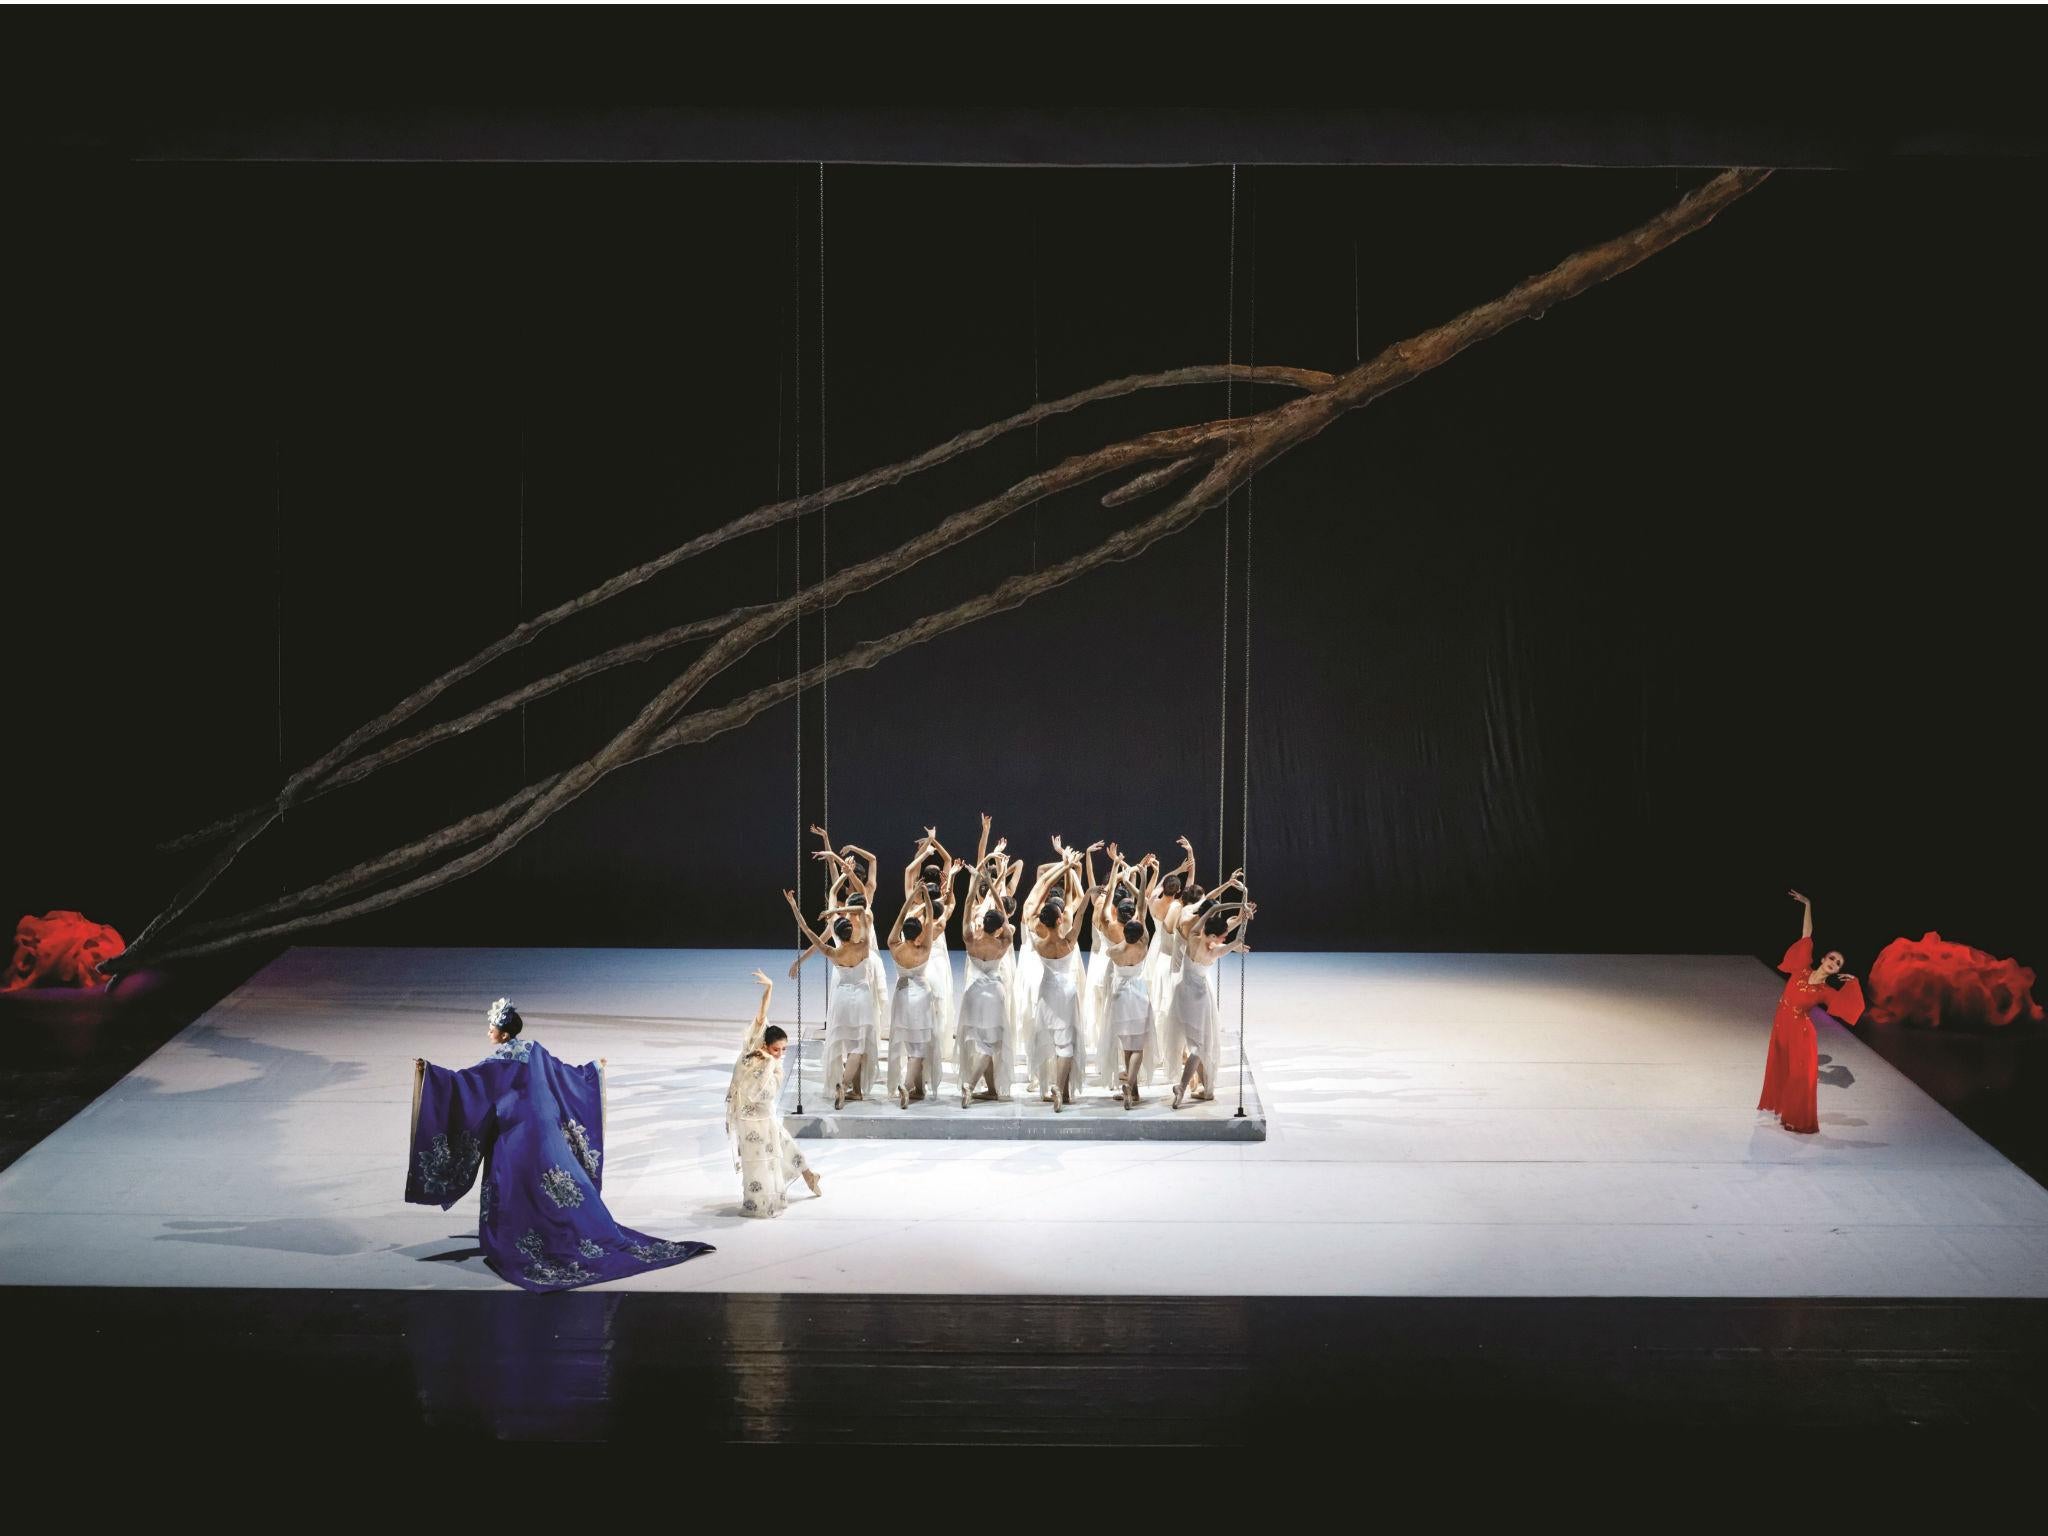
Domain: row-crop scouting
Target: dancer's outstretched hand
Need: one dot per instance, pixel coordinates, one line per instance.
(763, 979)
(1799, 898)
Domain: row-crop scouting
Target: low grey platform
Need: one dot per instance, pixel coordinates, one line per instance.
(1095, 1115)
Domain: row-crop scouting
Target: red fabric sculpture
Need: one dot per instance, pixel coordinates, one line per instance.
(1932, 982)
(61, 949)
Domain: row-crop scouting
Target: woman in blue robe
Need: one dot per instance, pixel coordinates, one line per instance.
(534, 1127)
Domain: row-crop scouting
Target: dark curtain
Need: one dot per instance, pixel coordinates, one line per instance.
(1720, 579)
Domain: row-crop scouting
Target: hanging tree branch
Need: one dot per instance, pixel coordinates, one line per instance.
(1245, 445)
(768, 516)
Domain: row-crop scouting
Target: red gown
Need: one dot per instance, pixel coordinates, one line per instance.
(1792, 1069)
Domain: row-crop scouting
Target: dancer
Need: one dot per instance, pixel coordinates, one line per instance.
(1115, 915)
(1057, 1043)
(988, 1020)
(763, 1151)
(1110, 906)
(534, 1127)
(1792, 1065)
(853, 1019)
(1175, 892)
(986, 1030)
(846, 872)
(1208, 932)
(932, 869)
(917, 1032)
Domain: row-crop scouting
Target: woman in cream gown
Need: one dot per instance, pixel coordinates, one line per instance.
(763, 1151)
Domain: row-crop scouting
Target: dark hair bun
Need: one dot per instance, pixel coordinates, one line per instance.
(773, 1033)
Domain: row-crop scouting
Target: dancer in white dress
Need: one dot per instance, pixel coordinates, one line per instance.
(1058, 1042)
(987, 1026)
(1125, 1047)
(918, 1043)
(1208, 931)
(932, 869)
(853, 1018)
(763, 1151)
(1175, 890)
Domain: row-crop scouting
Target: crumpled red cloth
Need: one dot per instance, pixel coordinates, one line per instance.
(61, 949)
(1931, 982)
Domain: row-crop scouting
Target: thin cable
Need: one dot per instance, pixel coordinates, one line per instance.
(1229, 410)
(1036, 508)
(824, 544)
(797, 463)
(524, 776)
(1244, 840)
(1357, 355)
(277, 585)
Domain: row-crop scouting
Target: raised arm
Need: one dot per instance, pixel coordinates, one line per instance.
(946, 902)
(761, 1013)
(1806, 923)
(913, 872)
(1186, 868)
(981, 848)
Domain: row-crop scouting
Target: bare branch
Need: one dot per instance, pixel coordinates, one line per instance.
(1253, 442)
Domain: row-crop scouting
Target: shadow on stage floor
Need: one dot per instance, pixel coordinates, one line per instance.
(348, 1367)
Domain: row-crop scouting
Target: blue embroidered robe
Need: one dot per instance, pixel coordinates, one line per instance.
(534, 1128)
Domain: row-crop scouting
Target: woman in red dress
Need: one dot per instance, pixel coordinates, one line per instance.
(1792, 1069)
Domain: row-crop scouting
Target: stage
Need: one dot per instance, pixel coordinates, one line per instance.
(1438, 1126)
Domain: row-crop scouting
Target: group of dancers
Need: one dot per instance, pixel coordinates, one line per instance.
(529, 1130)
(1142, 1008)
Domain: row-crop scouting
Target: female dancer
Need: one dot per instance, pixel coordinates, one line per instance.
(931, 870)
(1792, 1066)
(534, 1127)
(986, 1030)
(763, 1151)
(917, 1031)
(1057, 1044)
(1110, 906)
(1208, 932)
(1175, 892)
(847, 872)
(1114, 910)
(853, 1019)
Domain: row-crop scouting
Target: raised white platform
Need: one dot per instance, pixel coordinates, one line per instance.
(1095, 1114)
(1437, 1125)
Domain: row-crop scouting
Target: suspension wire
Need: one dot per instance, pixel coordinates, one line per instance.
(277, 589)
(1244, 840)
(1229, 410)
(797, 467)
(277, 585)
(1357, 355)
(824, 548)
(1036, 507)
(524, 776)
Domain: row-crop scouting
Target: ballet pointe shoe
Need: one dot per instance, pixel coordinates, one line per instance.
(902, 1096)
(815, 1182)
(838, 1097)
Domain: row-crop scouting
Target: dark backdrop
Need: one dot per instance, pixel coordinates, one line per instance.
(1721, 578)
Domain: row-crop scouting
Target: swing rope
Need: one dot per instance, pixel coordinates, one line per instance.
(824, 548)
(1229, 410)
(1244, 843)
(797, 464)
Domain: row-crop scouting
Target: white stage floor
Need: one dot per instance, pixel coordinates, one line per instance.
(1454, 1125)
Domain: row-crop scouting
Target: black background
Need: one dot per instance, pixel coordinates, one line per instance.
(1721, 578)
